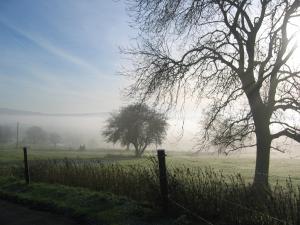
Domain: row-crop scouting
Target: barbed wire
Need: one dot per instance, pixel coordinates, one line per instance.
(232, 203)
(254, 211)
(191, 212)
(233, 168)
(277, 176)
(239, 205)
(10, 148)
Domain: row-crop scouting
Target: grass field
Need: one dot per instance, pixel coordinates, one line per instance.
(280, 168)
(201, 183)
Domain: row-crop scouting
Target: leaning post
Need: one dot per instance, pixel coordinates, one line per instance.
(163, 178)
(26, 167)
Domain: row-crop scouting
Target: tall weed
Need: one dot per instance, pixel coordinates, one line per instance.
(204, 192)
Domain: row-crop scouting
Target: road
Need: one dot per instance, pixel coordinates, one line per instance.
(13, 214)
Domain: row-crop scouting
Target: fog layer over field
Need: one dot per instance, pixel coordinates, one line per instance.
(77, 129)
(85, 129)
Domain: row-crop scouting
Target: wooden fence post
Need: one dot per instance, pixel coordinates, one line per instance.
(26, 168)
(163, 178)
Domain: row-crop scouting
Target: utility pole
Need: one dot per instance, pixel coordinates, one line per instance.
(17, 144)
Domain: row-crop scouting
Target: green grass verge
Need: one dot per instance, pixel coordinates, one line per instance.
(87, 206)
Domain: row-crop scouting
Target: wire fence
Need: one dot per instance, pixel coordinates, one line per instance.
(237, 205)
(206, 221)
(289, 177)
(255, 211)
(188, 211)
(264, 215)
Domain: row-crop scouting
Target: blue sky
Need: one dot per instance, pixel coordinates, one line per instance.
(62, 56)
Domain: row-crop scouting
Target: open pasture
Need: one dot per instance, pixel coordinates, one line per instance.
(244, 164)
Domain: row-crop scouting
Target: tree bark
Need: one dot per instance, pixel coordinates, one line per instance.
(261, 177)
(261, 119)
(138, 153)
(139, 149)
(136, 150)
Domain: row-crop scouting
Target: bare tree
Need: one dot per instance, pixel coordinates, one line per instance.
(236, 53)
(137, 125)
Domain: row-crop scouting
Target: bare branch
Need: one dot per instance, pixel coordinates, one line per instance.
(229, 52)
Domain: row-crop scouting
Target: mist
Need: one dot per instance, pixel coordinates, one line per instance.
(85, 129)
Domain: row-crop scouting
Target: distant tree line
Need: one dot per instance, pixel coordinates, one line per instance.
(33, 135)
(6, 134)
(37, 136)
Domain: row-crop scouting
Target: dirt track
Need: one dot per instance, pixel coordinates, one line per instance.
(13, 214)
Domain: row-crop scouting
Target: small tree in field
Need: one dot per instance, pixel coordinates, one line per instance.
(236, 53)
(137, 125)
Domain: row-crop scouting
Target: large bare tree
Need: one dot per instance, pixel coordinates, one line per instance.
(236, 53)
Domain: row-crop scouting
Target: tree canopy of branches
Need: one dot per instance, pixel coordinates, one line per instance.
(237, 53)
(137, 125)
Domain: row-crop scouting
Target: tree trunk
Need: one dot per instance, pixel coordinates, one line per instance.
(143, 149)
(261, 178)
(261, 118)
(138, 153)
(137, 150)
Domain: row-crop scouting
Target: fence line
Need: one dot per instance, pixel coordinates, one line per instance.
(239, 205)
(190, 212)
(9, 148)
(269, 175)
(225, 200)
(254, 211)
(277, 176)
(232, 203)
